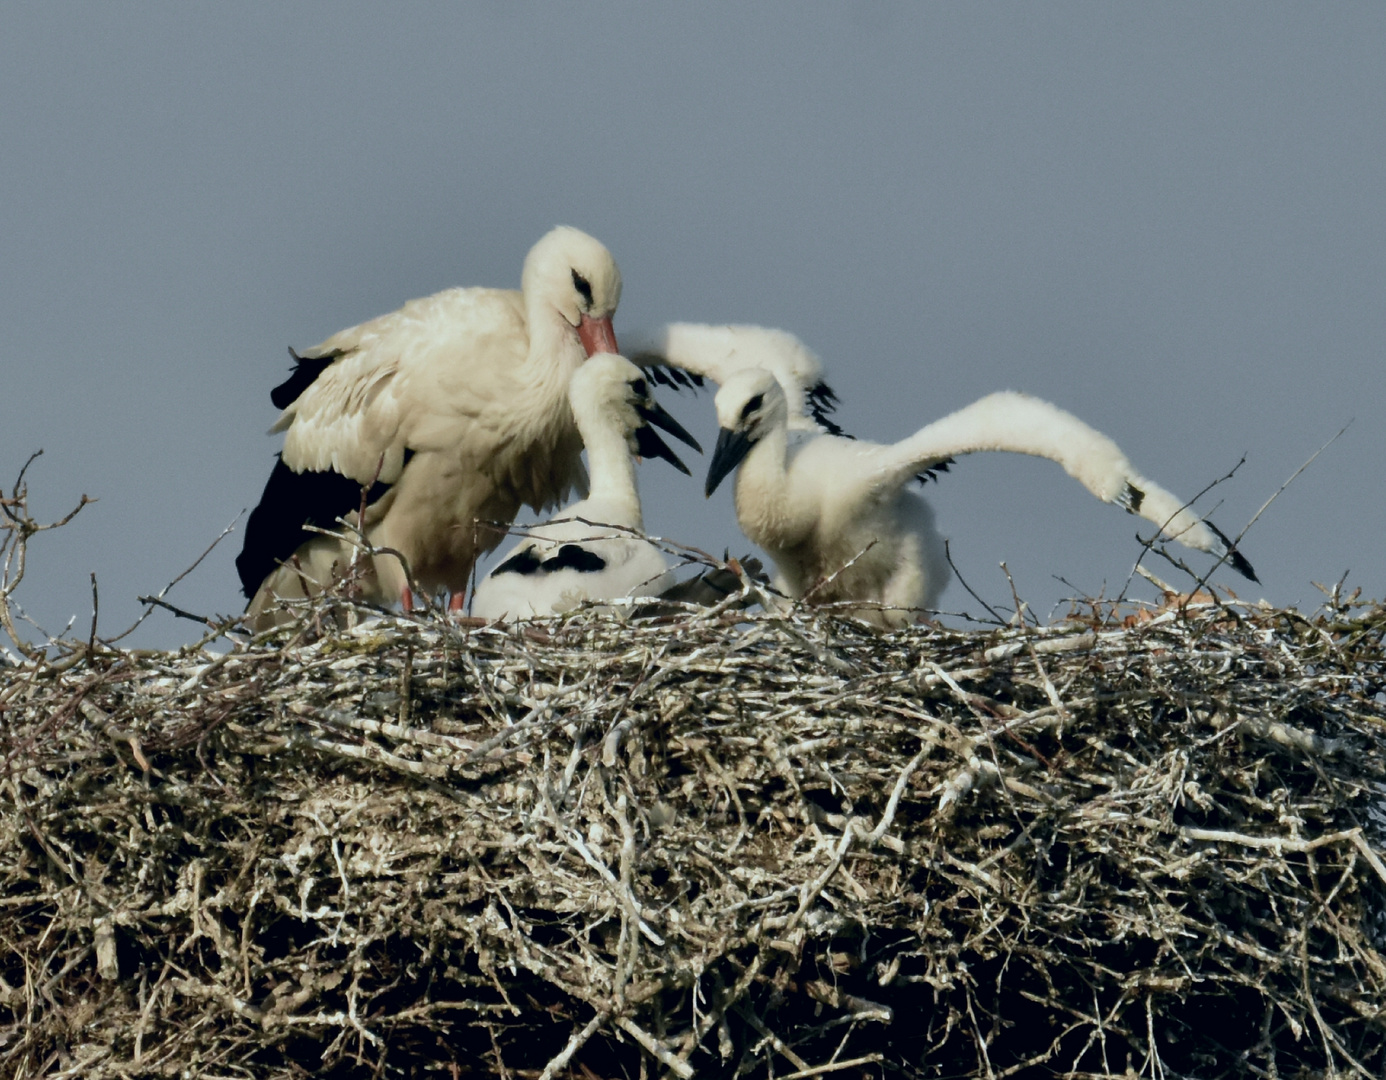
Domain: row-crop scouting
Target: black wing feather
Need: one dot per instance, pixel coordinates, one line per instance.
(523, 562)
(931, 473)
(1235, 557)
(568, 557)
(822, 401)
(305, 373)
(664, 373)
(291, 500)
(574, 557)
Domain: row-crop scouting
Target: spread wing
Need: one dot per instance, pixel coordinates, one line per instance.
(685, 354)
(1021, 424)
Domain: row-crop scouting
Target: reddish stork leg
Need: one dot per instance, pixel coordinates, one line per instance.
(406, 600)
(456, 601)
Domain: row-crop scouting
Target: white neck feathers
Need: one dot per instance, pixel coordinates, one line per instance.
(612, 471)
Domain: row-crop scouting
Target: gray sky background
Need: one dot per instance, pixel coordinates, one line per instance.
(1169, 219)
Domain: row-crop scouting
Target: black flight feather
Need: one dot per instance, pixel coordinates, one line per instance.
(523, 562)
(931, 473)
(291, 500)
(568, 557)
(305, 373)
(1234, 556)
(666, 374)
(822, 401)
(574, 557)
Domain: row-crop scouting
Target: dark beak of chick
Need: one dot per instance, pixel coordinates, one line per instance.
(650, 445)
(731, 447)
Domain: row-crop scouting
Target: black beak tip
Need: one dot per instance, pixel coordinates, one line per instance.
(655, 413)
(732, 447)
(650, 445)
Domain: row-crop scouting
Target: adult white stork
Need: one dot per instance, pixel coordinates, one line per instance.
(836, 515)
(594, 549)
(449, 411)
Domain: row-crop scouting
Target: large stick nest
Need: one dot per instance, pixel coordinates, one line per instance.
(716, 844)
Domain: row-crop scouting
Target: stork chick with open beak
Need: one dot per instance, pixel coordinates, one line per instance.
(837, 517)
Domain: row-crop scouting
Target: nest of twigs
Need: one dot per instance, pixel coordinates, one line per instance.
(711, 843)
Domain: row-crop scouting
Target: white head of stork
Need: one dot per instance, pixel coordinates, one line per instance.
(571, 273)
(449, 411)
(594, 549)
(836, 514)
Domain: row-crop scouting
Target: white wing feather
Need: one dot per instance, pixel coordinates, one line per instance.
(718, 352)
(1021, 424)
(407, 379)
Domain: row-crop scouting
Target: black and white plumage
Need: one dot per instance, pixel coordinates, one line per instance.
(451, 410)
(594, 549)
(836, 515)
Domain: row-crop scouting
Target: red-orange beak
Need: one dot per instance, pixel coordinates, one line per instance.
(596, 335)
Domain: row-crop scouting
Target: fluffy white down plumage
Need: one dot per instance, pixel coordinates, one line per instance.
(594, 549)
(836, 514)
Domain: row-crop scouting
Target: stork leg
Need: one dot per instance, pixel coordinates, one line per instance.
(406, 600)
(456, 600)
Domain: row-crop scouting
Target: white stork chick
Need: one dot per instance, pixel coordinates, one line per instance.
(836, 515)
(451, 410)
(685, 354)
(594, 549)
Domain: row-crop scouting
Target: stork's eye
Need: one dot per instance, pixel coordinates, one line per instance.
(752, 405)
(640, 387)
(583, 286)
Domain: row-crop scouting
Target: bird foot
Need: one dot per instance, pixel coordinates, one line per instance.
(406, 600)
(456, 601)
